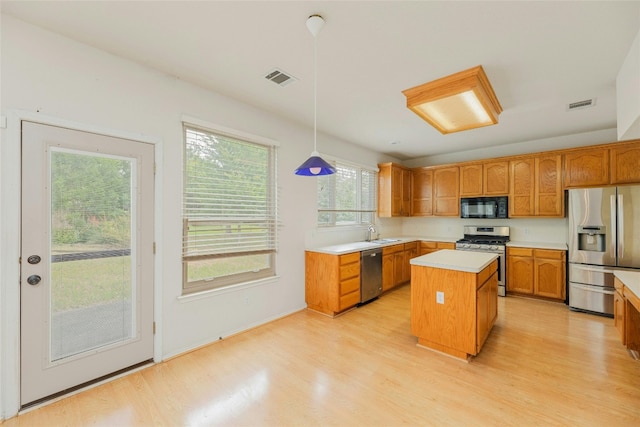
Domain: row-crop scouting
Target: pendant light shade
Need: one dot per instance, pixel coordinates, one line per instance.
(315, 165)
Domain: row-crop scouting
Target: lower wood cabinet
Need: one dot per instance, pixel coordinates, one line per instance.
(618, 309)
(426, 247)
(396, 268)
(537, 272)
(332, 282)
(487, 309)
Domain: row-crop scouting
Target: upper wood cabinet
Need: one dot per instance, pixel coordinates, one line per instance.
(446, 191)
(421, 192)
(586, 168)
(394, 190)
(521, 183)
(484, 179)
(536, 186)
(495, 178)
(548, 192)
(471, 180)
(625, 164)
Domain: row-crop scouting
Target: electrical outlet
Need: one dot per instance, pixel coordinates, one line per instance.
(440, 297)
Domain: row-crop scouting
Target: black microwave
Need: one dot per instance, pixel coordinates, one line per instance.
(484, 207)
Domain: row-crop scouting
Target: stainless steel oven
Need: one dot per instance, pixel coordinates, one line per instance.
(488, 239)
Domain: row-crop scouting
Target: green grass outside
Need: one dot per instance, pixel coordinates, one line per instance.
(85, 283)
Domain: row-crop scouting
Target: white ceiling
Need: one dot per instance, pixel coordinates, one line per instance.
(539, 56)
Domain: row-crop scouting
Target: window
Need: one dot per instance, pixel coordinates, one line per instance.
(229, 210)
(347, 197)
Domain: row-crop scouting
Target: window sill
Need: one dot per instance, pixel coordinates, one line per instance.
(226, 289)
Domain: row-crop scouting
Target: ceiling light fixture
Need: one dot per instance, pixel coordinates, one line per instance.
(315, 165)
(458, 102)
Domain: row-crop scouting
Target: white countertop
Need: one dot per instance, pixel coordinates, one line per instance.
(538, 245)
(631, 280)
(472, 262)
(345, 248)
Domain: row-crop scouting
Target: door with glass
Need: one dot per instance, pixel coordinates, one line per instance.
(86, 287)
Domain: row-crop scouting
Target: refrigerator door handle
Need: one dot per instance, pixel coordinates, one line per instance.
(620, 227)
(614, 230)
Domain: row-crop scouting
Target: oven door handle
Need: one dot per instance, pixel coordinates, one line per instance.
(598, 289)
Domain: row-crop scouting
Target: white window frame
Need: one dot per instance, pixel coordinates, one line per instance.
(269, 221)
(359, 210)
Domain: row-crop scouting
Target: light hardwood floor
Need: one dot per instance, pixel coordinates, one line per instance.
(541, 365)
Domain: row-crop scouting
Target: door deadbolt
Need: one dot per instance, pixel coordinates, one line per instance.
(34, 279)
(34, 259)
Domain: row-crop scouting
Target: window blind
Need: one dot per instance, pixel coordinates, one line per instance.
(347, 197)
(229, 206)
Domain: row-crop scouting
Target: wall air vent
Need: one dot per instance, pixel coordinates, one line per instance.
(587, 103)
(280, 77)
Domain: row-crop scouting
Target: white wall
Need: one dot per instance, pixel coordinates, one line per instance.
(49, 76)
(548, 230)
(526, 147)
(628, 94)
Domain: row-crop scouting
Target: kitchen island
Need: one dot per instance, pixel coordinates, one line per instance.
(454, 300)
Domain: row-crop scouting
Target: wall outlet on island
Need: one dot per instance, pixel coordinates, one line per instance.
(440, 297)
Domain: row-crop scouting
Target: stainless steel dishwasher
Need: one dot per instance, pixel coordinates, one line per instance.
(370, 274)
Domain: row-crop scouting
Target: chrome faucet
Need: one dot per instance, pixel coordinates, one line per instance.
(371, 229)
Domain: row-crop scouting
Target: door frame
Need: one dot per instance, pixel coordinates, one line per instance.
(10, 213)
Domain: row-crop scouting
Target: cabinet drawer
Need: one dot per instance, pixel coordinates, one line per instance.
(428, 245)
(549, 254)
(349, 270)
(411, 246)
(520, 251)
(349, 300)
(392, 249)
(349, 258)
(349, 285)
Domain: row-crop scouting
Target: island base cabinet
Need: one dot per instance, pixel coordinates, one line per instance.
(453, 311)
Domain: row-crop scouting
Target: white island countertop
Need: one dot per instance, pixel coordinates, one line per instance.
(449, 259)
(631, 279)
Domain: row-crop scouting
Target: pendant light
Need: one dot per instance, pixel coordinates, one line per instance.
(315, 165)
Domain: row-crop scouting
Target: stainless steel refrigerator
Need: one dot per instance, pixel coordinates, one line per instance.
(604, 235)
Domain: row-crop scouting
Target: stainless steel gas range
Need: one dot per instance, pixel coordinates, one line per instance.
(488, 239)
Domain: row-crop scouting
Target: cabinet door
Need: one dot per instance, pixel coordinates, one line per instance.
(471, 180)
(520, 270)
(405, 208)
(549, 195)
(387, 272)
(421, 190)
(410, 251)
(618, 315)
(549, 278)
(521, 187)
(586, 168)
(446, 191)
(496, 178)
(396, 190)
(398, 268)
(427, 247)
(624, 164)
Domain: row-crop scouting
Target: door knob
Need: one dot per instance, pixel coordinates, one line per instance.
(34, 279)
(34, 259)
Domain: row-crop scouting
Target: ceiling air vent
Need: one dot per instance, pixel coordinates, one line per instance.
(280, 77)
(587, 103)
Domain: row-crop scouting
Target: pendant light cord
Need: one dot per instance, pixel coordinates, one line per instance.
(315, 91)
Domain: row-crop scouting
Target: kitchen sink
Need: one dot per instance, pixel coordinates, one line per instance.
(382, 241)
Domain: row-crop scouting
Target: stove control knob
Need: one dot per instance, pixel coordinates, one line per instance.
(474, 246)
(493, 248)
